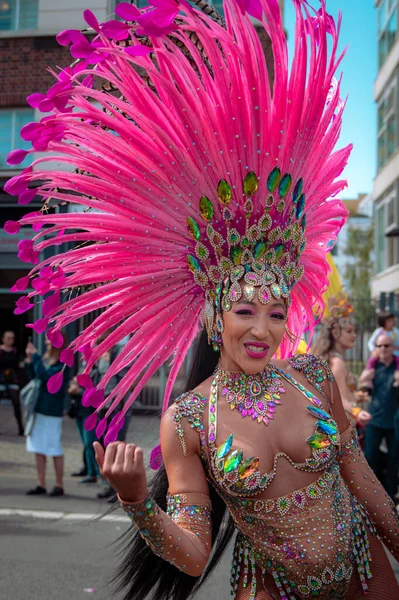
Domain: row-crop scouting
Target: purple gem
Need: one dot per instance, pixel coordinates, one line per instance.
(272, 409)
(282, 390)
(244, 413)
(212, 437)
(212, 408)
(260, 405)
(254, 415)
(224, 391)
(271, 404)
(298, 498)
(317, 402)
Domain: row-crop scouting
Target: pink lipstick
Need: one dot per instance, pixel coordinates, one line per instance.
(256, 349)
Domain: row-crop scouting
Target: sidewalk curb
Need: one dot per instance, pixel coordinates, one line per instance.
(61, 516)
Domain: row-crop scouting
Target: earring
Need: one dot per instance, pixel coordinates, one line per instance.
(216, 340)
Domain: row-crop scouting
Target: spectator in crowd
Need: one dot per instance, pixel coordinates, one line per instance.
(383, 408)
(386, 322)
(82, 412)
(386, 325)
(44, 439)
(9, 381)
(337, 335)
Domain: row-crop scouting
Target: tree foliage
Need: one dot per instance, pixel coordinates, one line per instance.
(358, 274)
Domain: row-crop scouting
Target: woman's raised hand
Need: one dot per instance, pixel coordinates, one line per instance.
(122, 465)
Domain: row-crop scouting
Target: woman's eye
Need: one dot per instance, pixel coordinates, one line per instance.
(278, 316)
(243, 312)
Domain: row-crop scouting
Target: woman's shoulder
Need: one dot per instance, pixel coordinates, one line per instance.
(185, 418)
(307, 368)
(305, 363)
(193, 401)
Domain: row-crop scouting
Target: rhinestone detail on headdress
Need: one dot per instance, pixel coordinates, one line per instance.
(265, 253)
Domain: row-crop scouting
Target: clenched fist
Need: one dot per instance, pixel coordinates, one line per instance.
(122, 465)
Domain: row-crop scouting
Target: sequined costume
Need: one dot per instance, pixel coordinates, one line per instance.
(312, 542)
(200, 180)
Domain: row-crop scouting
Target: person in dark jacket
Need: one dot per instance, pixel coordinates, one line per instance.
(45, 437)
(9, 380)
(88, 437)
(384, 409)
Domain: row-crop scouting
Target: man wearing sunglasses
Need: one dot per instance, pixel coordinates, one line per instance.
(384, 410)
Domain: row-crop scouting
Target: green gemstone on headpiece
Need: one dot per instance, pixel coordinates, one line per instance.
(236, 254)
(276, 291)
(297, 190)
(259, 250)
(245, 242)
(279, 250)
(250, 184)
(273, 179)
(234, 237)
(224, 192)
(193, 228)
(300, 207)
(206, 208)
(193, 263)
(280, 206)
(270, 256)
(284, 185)
(232, 462)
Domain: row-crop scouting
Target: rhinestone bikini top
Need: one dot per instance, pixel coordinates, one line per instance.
(227, 466)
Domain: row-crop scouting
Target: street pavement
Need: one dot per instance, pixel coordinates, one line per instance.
(66, 548)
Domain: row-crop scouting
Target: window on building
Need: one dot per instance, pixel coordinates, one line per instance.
(387, 217)
(387, 123)
(18, 14)
(387, 28)
(11, 122)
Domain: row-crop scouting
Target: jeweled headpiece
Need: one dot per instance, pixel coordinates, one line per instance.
(340, 311)
(192, 173)
(247, 246)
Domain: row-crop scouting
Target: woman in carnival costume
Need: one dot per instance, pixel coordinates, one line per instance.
(337, 335)
(210, 199)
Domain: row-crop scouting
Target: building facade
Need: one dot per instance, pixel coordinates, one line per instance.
(360, 218)
(385, 284)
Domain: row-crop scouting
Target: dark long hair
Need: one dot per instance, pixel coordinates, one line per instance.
(142, 572)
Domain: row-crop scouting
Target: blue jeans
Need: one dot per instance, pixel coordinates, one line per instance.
(373, 438)
(88, 437)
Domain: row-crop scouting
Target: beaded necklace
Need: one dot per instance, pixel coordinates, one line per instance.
(255, 396)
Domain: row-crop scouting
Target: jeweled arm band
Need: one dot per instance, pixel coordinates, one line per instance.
(363, 484)
(182, 535)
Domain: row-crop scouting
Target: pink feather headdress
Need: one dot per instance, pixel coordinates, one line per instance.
(162, 109)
